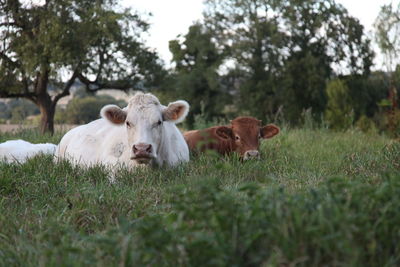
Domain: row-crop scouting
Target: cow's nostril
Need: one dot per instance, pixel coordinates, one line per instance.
(251, 154)
(142, 148)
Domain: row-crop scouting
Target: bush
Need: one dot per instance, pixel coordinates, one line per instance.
(339, 112)
(366, 125)
(85, 109)
(4, 111)
(20, 109)
(344, 221)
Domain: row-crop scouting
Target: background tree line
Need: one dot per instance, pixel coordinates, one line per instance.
(272, 59)
(267, 58)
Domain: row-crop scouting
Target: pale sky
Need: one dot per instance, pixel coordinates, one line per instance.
(173, 17)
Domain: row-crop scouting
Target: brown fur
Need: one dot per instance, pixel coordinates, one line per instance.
(223, 139)
(173, 112)
(201, 140)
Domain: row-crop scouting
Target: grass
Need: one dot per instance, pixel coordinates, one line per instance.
(316, 198)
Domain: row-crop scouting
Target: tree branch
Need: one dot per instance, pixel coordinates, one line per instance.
(17, 95)
(101, 63)
(96, 86)
(13, 7)
(9, 24)
(30, 96)
(67, 87)
(16, 64)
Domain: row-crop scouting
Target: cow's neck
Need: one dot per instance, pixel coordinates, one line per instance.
(168, 150)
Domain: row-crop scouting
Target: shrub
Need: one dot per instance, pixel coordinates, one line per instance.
(85, 109)
(366, 125)
(339, 111)
(344, 221)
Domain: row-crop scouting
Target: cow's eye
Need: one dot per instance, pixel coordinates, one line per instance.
(128, 124)
(158, 123)
(237, 137)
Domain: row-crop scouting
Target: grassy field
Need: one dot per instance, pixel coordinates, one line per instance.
(316, 198)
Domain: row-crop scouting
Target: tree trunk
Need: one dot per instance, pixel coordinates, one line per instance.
(47, 111)
(44, 102)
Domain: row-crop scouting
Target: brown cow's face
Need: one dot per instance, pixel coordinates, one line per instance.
(245, 134)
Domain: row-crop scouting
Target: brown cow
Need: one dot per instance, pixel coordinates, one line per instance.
(242, 136)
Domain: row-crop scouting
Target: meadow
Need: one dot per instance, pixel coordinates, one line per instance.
(315, 198)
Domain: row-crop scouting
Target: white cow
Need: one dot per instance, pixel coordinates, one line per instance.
(20, 150)
(143, 133)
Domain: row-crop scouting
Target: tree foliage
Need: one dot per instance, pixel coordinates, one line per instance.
(387, 34)
(324, 40)
(196, 72)
(387, 27)
(285, 51)
(254, 48)
(51, 45)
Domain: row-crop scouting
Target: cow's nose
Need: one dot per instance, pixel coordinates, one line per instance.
(251, 154)
(142, 148)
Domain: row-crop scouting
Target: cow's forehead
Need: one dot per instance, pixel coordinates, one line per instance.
(141, 99)
(241, 122)
(246, 126)
(144, 107)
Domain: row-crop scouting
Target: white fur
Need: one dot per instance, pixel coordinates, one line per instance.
(20, 150)
(103, 142)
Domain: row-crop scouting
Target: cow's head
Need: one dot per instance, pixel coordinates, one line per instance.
(245, 133)
(144, 119)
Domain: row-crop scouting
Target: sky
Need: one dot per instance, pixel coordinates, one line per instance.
(169, 19)
(173, 17)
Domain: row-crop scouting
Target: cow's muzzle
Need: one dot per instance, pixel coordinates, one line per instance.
(142, 153)
(251, 154)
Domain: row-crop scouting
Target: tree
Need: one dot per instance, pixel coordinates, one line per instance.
(324, 41)
(387, 34)
(387, 26)
(196, 78)
(365, 92)
(287, 50)
(45, 48)
(248, 33)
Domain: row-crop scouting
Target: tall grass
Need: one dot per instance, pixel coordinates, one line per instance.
(316, 198)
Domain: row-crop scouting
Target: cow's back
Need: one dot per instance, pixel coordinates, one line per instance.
(20, 150)
(207, 139)
(192, 138)
(96, 142)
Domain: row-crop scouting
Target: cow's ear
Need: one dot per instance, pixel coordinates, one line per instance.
(224, 132)
(269, 131)
(176, 111)
(113, 114)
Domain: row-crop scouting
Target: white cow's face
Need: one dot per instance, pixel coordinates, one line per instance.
(144, 119)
